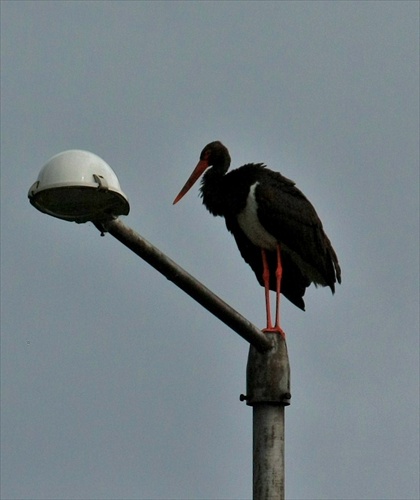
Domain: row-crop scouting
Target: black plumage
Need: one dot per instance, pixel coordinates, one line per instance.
(263, 208)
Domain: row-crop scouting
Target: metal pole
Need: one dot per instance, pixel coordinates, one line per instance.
(268, 392)
(268, 370)
(268, 452)
(186, 282)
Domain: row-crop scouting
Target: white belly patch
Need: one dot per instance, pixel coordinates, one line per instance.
(251, 226)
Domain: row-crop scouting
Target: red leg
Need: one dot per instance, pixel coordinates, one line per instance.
(266, 278)
(279, 274)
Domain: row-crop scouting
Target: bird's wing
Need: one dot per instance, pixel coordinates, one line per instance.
(287, 214)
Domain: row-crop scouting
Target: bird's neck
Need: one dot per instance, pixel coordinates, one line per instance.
(212, 190)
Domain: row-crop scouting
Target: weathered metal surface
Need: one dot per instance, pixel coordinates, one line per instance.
(268, 374)
(268, 452)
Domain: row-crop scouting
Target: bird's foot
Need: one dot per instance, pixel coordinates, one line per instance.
(275, 329)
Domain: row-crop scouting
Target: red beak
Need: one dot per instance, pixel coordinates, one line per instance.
(198, 171)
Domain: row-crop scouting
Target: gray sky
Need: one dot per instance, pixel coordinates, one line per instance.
(116, 385)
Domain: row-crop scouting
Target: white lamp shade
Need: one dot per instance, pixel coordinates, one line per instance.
(78, 186)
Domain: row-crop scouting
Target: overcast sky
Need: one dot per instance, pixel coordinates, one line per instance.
(115, 384)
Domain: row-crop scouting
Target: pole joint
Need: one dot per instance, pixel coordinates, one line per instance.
(268, 374)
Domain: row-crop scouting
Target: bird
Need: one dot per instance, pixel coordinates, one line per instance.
(276, 228)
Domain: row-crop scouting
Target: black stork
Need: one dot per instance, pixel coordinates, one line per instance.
(276, 228)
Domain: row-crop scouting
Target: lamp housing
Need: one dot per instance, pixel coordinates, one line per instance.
(78, 186)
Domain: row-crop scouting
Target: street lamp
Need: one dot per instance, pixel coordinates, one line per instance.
(79, 186)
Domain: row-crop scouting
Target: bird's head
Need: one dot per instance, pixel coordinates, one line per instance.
(214, 155)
